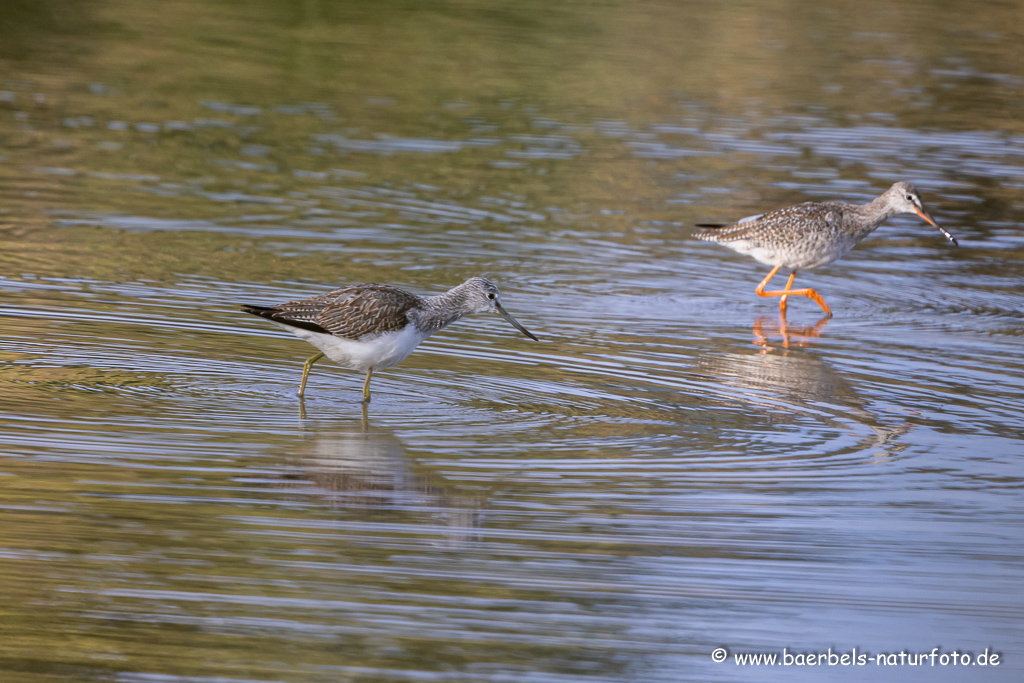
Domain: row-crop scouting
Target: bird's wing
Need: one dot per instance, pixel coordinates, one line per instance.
(286, 315)
(741, 221)
(356, 311)
(795, 220)
(350, 312)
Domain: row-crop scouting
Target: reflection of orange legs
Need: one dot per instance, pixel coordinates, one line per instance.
(787, 292)
(797, 335)
(801, 333)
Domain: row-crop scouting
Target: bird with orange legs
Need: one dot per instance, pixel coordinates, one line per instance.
(812, 234)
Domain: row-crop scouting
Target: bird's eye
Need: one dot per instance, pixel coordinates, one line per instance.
(491, 295)
(910, 197)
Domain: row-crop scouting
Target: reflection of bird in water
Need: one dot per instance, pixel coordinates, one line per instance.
(812, 234)
(355, 466)
(806, 382)
(372, 327)
(762, 328)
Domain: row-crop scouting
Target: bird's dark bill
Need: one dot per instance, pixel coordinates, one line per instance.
(513, 322)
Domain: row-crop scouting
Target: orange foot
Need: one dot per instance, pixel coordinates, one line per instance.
(788, 292)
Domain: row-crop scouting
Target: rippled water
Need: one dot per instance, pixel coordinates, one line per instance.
(672, 469)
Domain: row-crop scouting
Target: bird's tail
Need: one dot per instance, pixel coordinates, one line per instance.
(710, 231)
(262, 311)
(283, 318)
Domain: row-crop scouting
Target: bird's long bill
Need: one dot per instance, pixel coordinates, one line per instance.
(513, 322)
(928, 219)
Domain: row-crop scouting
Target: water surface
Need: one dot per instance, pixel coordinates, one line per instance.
(672, 469)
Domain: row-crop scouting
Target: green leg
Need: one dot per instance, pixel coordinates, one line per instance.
(305, 372)
(366, 386)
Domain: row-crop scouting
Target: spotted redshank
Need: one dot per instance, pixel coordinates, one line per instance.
(812, 234)
(370, 327)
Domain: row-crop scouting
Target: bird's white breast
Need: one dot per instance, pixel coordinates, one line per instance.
(378, 352)
(812, 252)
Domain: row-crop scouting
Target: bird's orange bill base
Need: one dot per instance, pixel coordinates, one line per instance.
(935, 225)
(787, 292)
(927, 218)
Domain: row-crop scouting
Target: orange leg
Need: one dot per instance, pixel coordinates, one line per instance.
(787, 292)
(789, 286)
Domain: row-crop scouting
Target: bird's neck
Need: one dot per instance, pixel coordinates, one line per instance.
(441, 310)
(874, 213)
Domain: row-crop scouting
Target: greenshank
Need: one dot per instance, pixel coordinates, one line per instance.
(370, 327)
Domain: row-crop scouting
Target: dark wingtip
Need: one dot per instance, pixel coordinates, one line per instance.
(274, 315)
(255, 310)
(712, 225)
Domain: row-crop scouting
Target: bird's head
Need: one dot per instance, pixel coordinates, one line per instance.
(483, 296)
(903, 198)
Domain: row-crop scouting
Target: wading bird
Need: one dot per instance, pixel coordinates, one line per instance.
(812, 234)
(371, 327)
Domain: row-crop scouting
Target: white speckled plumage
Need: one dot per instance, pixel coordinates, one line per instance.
(813, 234)
(370, 327)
